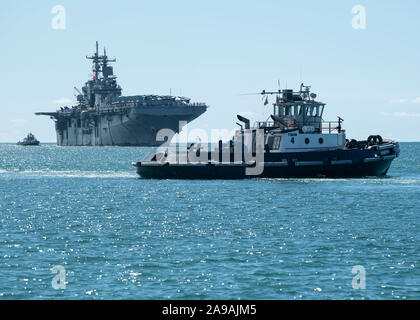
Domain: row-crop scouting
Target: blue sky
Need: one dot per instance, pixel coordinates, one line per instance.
(213, 51)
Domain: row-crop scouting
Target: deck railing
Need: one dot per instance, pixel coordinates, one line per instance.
(326, 126)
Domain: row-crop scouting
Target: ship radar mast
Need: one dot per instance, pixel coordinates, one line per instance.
(100, 64)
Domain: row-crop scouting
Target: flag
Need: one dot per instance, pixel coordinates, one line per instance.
(277, 101)
(266, 101)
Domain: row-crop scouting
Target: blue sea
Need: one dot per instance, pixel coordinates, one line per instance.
(116, 236)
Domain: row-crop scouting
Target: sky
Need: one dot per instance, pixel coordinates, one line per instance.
(214, 52)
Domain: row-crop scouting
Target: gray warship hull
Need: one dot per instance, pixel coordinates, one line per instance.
(136, 126)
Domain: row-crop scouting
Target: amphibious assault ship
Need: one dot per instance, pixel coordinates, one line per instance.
(103, 117)
(294, 142)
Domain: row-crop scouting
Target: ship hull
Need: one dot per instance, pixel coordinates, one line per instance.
(28, 144)
(328, 164)
(238, 172)
(136, 128)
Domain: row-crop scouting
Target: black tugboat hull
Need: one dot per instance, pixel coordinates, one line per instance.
(212, 171)
(325, 164)
(379, 168)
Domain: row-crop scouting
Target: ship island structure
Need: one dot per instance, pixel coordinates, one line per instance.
(103, 117)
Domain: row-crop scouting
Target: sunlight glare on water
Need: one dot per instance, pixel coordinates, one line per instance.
(119, 236)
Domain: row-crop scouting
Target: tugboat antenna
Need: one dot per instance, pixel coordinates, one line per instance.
(300, 74)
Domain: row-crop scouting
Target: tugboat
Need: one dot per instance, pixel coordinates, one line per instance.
(30, 140)
(296, 142)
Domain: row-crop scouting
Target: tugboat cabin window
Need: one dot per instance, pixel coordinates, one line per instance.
(276, 143)
(313, 111)
(273, 142)
(280, 111)
(300, 108)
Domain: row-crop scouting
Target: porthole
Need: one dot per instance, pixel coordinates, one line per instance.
(321, 140)
(307, 140)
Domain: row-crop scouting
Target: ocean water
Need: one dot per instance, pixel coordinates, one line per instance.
(121, 237)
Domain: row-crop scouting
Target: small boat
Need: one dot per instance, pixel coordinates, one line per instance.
(30, 140)
(295, 143)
